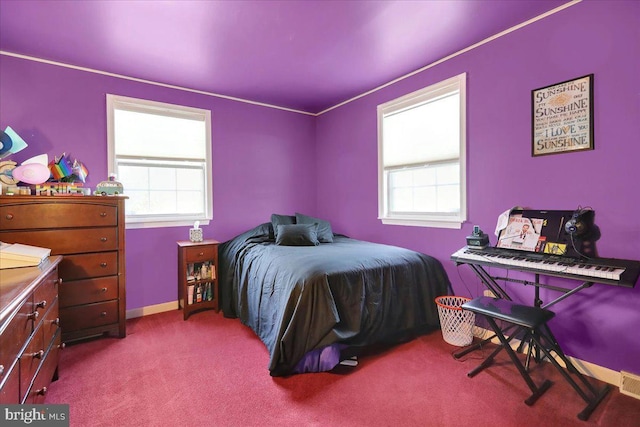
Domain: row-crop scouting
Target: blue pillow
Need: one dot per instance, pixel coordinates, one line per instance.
(277, 220)
(297, 235)
(325, 234)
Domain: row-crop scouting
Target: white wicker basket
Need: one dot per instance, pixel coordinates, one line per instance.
(456, 324)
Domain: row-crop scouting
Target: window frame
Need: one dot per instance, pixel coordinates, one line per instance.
(170, 110)
(413, 99)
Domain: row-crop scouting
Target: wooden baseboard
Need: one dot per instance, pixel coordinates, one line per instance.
(152, 309)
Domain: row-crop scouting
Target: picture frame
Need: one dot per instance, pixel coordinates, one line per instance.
(562, 117)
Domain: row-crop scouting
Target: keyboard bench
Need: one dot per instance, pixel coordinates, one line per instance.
(533, 321)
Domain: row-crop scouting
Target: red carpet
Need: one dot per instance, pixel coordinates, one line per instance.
(212, 371)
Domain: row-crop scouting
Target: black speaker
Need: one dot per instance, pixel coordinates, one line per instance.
(478, 240)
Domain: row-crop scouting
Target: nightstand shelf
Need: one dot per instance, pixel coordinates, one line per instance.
(197, 276)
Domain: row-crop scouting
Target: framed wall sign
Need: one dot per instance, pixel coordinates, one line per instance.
(562, 117)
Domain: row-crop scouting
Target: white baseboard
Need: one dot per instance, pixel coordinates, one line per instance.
(586, 368)
(152, 309)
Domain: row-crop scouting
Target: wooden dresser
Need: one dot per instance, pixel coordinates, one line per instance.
(29, 331)
(89, 232)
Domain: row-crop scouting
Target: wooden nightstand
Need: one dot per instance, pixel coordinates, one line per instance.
(198, 276)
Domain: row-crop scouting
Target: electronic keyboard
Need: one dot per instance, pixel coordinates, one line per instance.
(618, 272)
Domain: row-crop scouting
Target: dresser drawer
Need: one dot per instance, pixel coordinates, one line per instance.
(50, 323)
(62, 242)
(56, 215)
(85, 266)
(10, 385)
(15, 335)
(30, 360)
(88, 316)
(38, 391)
(200, 253)
(46, 293)
(87, 291)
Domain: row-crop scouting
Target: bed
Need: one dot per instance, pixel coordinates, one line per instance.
(308, 302)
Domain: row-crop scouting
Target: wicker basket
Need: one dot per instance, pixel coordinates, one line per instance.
(456, 324)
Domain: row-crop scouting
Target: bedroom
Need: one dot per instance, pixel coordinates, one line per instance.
(268, 160)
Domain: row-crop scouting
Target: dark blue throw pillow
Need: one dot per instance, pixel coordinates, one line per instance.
(297, 235)
(325, 233)
(277, 220)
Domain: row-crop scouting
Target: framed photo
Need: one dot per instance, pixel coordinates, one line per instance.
(562, 117)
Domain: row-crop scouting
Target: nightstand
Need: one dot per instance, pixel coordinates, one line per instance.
(198, 276)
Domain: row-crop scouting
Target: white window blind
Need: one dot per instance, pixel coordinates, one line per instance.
(421, 146)
(161, 153)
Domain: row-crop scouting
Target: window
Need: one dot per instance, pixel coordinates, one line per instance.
(421, 157)
(161, 153)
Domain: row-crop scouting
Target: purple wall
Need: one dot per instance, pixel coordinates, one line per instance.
(262, 158)
(598, 324)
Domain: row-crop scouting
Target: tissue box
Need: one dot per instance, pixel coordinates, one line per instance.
(195, 234)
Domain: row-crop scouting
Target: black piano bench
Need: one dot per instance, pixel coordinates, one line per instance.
(533, 321)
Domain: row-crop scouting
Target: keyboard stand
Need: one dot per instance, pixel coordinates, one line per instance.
(490, 282)
(534, 322)
(498, 258)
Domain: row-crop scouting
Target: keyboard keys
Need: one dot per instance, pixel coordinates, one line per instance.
(565, 266)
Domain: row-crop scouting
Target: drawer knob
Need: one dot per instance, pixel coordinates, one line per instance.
(33, 316)
(103, 290)
(103, 239)
(103, 264)
(38, 354)
(201, 254)
(103, 214)
(56, 321)
(9, 216)
(42, 391)
(41, 304)
(103, 314)
(1, 370)
(61, 346)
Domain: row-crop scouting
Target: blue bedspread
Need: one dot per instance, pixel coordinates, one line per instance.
(304, 298)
